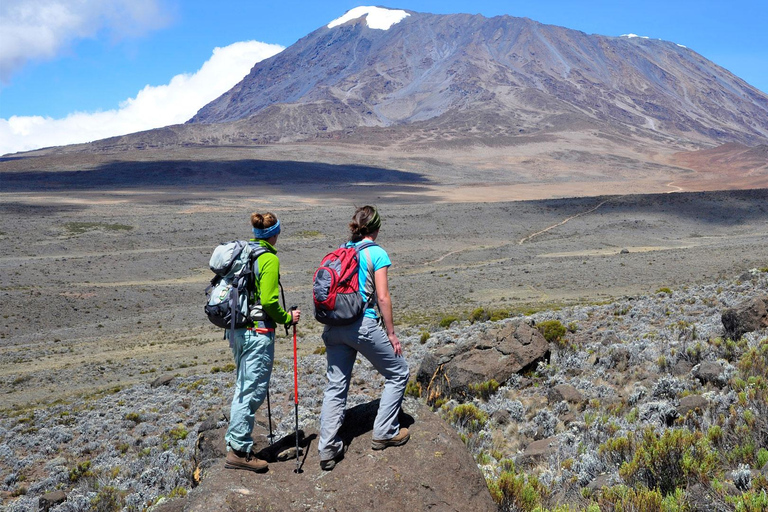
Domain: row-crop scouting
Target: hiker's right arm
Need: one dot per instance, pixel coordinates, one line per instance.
(385, 306)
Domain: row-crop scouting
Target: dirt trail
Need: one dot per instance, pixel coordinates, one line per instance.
(553, 226)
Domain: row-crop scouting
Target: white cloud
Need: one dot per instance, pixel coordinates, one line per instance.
(153, 106)
(377, 17)
(41, 29)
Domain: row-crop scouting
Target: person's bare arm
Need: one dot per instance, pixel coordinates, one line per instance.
(385, 306)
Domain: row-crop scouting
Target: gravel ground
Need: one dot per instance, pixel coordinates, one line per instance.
(107, 295)
(138, 441)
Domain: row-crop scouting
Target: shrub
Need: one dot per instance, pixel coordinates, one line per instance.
(108, 499)
(319, 350)
(468, 416)
(229, 367)
(750, 501)
(479, 315)
(413, 389)
(134, 417)
(621, 497)
(664, 289)
(484, 390)
(552, 330)
(674, 459)
(762, 458)
(178, 433)
(82, 470)
(446, 321)
(424, 337)
(515, 491)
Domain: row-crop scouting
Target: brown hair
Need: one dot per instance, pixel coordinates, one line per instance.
(359, 227)
(263, 221)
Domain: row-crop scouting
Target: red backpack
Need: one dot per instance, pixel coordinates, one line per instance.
(336, 286)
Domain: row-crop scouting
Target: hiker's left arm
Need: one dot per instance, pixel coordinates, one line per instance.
(385, 306)
(269, 291)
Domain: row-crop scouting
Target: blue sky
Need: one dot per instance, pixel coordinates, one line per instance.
(78, 70)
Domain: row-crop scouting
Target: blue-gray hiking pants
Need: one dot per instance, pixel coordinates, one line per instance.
(254, 354)
(342, 344)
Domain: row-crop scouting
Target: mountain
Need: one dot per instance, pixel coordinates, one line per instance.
(428, 77)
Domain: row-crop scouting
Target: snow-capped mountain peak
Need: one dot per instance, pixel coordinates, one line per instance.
(377, 17)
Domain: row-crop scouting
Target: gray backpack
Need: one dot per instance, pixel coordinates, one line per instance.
(228, 297)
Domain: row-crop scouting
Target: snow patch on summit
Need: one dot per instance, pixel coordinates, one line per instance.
(631, 36)
(378, 18)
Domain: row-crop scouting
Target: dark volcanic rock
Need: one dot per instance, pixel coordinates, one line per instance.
(433, 471)
(709, 372)
(51, 499)
(497, 354)
(692, 403)
(565, 392)
(746, 317)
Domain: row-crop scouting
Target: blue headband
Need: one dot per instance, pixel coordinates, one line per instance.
(263, 234)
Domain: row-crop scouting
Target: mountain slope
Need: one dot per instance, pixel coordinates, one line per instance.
(497, 76)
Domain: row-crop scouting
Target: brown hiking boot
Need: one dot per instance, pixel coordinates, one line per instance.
(243, 460)
(400, 439)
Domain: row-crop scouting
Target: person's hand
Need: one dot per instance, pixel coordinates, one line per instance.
(295, 316)
(393, 339)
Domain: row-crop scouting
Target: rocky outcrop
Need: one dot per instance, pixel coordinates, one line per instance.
(747, 317)
(433, 471)
(495, 354)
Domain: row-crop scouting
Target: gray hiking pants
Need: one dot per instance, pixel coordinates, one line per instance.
(342, 344)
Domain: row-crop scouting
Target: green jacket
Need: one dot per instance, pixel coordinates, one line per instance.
(267, 286)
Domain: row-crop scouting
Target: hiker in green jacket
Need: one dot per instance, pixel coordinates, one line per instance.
(254, 349)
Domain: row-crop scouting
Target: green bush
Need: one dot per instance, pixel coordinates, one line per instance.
(750, 501)
(178, 433)
(468, 416)
(424, 337)
(479, 315)
(82, 470)
(446, 321)
(675, 459)
(762, 458)
(664, 289)
(108, 499)
(413, 389)
(552, 330)
(516, 491)
(485, 389)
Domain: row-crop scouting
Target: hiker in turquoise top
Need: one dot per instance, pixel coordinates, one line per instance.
(254, 349)
(380, 346)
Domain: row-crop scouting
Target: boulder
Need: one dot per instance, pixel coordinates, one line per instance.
(495, 354)
(747, 317)
(163, 380)
(538, 451)
(50, 500)
(692, 403)
(564, 393)
(709, 372)
(433, 471)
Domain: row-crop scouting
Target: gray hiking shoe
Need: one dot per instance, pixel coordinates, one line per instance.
(328, 465)
(400, 439)
(242, 460)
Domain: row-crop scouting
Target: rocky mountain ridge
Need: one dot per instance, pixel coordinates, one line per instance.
(496, 77)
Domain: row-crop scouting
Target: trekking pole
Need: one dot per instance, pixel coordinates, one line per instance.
(271, 436)
(296, 393)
